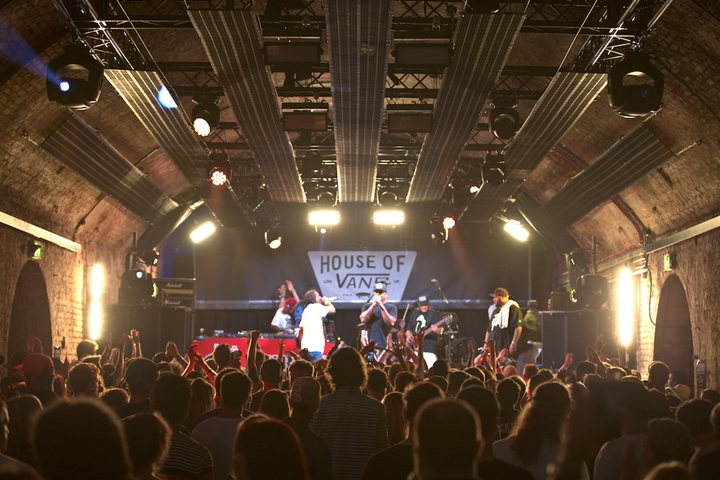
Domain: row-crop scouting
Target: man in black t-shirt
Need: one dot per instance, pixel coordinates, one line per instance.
(505, 322)
(378, 316)
(431, 320)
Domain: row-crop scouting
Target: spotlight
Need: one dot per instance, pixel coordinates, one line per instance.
(504, 120)
(448, 222)
(202, 232)
(273, 238)
(205, 115)
(635, 86)
(437, 233)
(388, 217)
(166, 98)
(150, 257)
(219, 169)
(326, 198)
(387, 198)
(324, 217)
(323, 230)
(474, 189)
(74, 79)
(494, 170)
(515, 228)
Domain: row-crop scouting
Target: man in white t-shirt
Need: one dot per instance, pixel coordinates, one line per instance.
(312, 333)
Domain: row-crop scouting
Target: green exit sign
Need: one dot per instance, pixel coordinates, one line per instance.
(669, 262)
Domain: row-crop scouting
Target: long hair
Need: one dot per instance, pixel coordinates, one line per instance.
(541, 420)
(310, 297)
(256, 445)
(397, 426)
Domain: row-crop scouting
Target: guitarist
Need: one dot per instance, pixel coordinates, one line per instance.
(425, 317)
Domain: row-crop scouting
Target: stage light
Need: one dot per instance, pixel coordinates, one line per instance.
(448, 223)
(323, 230)
(515, 228)
(388, 217)
(324, 217)
(326, 198)
(97, 284)
(205, 115)
(273, 238)
(219, 169)
(474, 189)
(74, 79)
(166, 98)
(150, 257)
(504, 120)
(387, 198)
(494, 170)
(625, 305)
(635, 86)
(437, 233)
(202, 232)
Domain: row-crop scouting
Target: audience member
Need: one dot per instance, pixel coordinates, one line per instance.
(275, 404)
(352, 424)
(148, 442)
(39, 372)
(256, 451)
(403, 380)
(85, 380)
(270, 376)
(114, 398)
(140, 376)
(80, 440)
(377, 384)
(508, 395)
(666, 440)
(22, 411)
(305, 400)
(706, 464)
(396, 422)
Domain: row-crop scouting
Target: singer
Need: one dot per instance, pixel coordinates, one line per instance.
(378, 316)
(312, 334)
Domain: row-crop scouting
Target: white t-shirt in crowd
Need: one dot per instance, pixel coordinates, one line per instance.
(313, 334)
(217, 434)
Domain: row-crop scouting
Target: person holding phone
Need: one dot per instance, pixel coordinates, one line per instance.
(312, 334)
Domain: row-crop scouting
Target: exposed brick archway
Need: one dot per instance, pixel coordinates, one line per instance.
(30, 310)
(673, 334)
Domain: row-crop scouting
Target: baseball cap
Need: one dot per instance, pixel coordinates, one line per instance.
(140, 369)
(423, 300)
(501, 292)
(35, 363)
(305, 390)
(532, 304)
(380, 286)
(289, 304)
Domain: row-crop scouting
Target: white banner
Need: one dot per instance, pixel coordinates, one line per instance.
(351, 276)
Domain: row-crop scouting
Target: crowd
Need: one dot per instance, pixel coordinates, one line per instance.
(119, 415)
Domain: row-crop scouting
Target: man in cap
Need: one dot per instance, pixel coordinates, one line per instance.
(140, 376)
(379, 317)
(425, 317)
(505, 322)
(530, 342)
(39, 372)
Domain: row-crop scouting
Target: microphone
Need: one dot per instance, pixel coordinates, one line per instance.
(332, 299)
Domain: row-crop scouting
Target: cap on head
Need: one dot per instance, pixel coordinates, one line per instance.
(532, 304)
(141, 369)
(289, 304)
(423, 300)
(380, 286)
(501, 292)
(35, 363)
(305, 390)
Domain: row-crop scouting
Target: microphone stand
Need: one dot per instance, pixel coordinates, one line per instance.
(437, 284)
(448, 333)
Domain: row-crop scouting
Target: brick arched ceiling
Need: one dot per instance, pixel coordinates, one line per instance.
(561, 97)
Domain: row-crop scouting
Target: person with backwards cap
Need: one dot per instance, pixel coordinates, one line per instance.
(379, 316)
(425, 317)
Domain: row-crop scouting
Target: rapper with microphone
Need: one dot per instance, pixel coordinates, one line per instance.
(378, 316)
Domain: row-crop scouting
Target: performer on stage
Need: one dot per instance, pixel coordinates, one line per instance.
(282, 321)
(379, 316)
(312, 334)
(505, 325)
(425, 317)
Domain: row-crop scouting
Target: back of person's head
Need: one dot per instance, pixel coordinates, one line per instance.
(256, 445)
(377, 380)
(403, 380)
(275, 404)
(397, 425)
(456, 379)
(472, 381)
(140, 375)
(542, 419)
(84, 379)
(301, 368)
(310, 297)
(202, 394)
(438, 421)
(21, 415)
(305, 396)
(85, 348)
(584, 368)
(667, 440)
(635, 397)
(222, 355)
(171, 396)
(658, 374)
(485, 404)
(392, 372)
(508, 393)
(114, 397)
(235, 389)
(417, 395)
(695, 415)
(529, 371)
(148, 440)
(615, 373)
(439, 381)
(715, 421)
(476, 372)
(547, 373)
(509, 370)
(669, 471)
(346, 368)
(520, 383)
(80, 439)
(535, 382)
(711, 395)
(271, 371)
(659, 405)
(440, 367)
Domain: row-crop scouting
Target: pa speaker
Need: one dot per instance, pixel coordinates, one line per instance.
(592, 291)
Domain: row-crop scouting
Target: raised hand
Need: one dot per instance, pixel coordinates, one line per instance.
(368, 348)
(282, 289)
(289, 285)
(135, 336)
(254, 335)
(305, 355)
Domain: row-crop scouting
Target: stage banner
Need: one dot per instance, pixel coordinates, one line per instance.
(351, 276)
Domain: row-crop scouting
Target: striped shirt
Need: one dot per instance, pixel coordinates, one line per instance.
(187, 459)
(353, 425)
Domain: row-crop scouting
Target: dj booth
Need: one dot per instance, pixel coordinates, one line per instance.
(268, 342)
